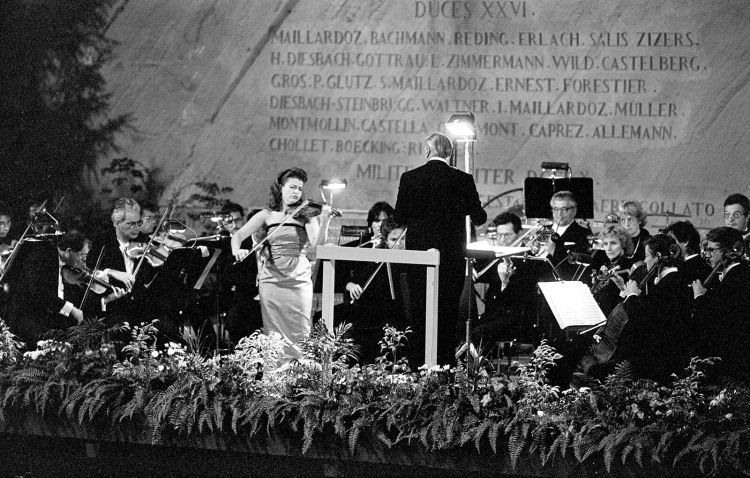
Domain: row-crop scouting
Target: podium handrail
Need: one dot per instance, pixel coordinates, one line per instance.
(430, 258)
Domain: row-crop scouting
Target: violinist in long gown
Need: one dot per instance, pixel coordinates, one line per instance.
(37, 293)
(656, 337)
(611, 260)
(721, 314)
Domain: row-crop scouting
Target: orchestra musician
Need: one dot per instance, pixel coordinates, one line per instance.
(380, 212)
(572, 237)
(433, 201)
(613, 259)
(149, 217)
(285, 282)
(7, 242)
(693, 265)
(510, 300)
(239, 283)
(656, 338)
(633, 219)
(369, 305)
(118, 264)
(722, 306)
(736, 210)
(37, 301)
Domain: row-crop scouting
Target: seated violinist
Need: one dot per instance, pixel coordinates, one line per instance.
(655, 335)
(510, 301)
(612, 259)
(722, 303)
(380, 212)
(118, 263)
(38, 300)
(6, 239)
(370, 305)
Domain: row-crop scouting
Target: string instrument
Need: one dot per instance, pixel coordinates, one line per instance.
(377, 269)
(602, 278)
(81, 276)
(156, 251)
(611, 329)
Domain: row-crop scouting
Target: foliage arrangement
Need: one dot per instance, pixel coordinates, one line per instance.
(84, 377)
(53, 103)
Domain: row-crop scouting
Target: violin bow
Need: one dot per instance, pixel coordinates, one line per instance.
(151, 239)
(377, 269)
(275, 231)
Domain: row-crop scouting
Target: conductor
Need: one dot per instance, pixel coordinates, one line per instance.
(433, 202)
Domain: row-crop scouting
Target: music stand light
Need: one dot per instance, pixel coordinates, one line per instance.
(332, 186)
(461, 128)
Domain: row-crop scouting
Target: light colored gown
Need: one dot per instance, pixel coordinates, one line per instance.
(285, 285)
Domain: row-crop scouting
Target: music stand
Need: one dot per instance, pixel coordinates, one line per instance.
(537, 193)
(183, 274)
(572, 304)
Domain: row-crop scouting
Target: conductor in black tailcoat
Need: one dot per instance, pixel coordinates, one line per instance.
(433, 201)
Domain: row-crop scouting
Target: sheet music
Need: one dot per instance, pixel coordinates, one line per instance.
(572, 304)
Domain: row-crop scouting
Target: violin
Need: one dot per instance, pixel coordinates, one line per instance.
(602, 277)
(157, 250)
(81, 276)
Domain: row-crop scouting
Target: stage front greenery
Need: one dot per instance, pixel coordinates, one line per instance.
(172, 390)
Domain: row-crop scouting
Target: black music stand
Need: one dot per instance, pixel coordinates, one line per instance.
(183, 273)
(537, 193)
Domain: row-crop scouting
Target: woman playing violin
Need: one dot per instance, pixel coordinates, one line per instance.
(610, 261)
(284, 279)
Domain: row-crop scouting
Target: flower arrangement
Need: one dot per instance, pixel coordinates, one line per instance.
(170, 389)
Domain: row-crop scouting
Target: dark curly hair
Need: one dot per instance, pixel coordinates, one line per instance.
(274, 201)
(671, 255)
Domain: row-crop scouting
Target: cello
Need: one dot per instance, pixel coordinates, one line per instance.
(610, 331)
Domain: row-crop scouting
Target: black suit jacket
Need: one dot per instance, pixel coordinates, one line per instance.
(656, 338)
(34, 306)
(433, 201)
(576, 237)
(695, 268)
(721, 319)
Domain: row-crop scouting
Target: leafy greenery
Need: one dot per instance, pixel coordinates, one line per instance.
(688, 425)
(53, 103)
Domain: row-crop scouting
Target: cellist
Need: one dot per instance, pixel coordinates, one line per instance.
(654, 338)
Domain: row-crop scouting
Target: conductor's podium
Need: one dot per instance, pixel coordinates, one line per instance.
(430, 259)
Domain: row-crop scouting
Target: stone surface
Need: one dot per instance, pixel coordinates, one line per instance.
(650, 99)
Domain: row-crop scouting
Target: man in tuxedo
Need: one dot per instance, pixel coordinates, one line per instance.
(511, 299)
(119, 268)
(571, 237)
(736, 211)
(37, 301)
(720, 313)
(433, 201)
